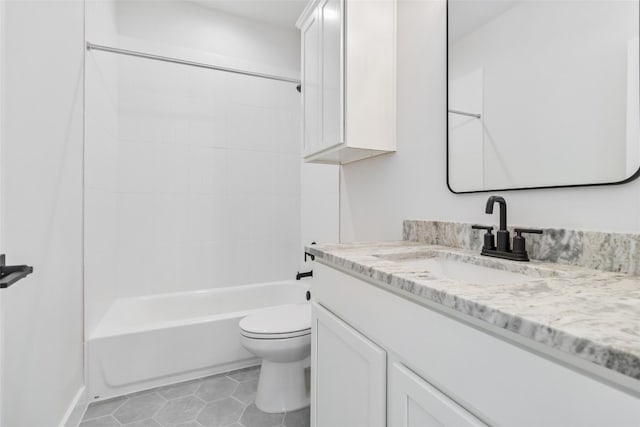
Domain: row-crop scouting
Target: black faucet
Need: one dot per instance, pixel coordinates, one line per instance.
(503, 249)
(503, 234)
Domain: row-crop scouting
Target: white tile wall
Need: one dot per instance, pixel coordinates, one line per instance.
(100, 182)
(208, 179)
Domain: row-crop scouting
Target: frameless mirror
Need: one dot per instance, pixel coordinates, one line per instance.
(542, 93)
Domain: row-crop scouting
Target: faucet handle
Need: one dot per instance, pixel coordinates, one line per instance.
(482, 227)
(519, 242)
(519, 231)
(489, 242)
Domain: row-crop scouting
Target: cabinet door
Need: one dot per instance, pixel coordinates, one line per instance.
(331, 13)
(348, 375)
(311, 92)
(413, 402)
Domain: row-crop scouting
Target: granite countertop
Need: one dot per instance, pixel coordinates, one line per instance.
(591, 314)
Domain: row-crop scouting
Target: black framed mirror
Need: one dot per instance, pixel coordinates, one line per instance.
(542, 94)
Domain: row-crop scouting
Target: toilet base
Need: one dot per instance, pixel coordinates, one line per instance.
(282, 386)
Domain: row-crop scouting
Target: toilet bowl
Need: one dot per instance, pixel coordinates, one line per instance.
(281, 337)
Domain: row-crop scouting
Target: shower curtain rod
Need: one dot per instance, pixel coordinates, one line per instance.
(91, 46)
(464, 113)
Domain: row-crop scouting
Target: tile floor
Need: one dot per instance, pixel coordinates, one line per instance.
(216, 401)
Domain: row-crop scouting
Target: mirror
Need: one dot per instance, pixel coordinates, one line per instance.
(542, 93)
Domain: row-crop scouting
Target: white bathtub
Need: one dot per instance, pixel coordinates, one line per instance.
(150, 341)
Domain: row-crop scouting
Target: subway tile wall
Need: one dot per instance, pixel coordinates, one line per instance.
(207, 179)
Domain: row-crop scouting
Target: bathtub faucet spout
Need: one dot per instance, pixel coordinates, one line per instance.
(306, 274)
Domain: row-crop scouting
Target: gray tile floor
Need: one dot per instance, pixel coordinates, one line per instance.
(216, 401)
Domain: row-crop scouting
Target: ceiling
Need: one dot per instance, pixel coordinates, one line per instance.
(465, 16)
(283, 13)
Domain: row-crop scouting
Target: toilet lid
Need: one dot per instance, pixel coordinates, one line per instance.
(285, 319)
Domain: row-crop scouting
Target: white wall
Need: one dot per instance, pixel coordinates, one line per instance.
(377, 194)
(180, 28)
(41, 218)
(555, 88)
(319, 206)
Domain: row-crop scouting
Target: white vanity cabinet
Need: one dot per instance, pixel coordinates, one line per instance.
(349, 384)
(349, 381)
(348, 79)
(444, 369)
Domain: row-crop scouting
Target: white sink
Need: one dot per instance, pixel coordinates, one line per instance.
(465, 272)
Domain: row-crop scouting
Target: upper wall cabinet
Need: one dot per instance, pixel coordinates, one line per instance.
(348, 79)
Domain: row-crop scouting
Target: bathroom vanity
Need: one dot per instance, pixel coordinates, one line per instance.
(413, 334)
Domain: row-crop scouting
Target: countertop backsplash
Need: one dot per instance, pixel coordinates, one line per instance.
(614, 252)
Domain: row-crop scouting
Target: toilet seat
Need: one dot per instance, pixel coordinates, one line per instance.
(275, 336)
(287, 321)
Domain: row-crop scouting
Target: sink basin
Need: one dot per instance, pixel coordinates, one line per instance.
(465, 272)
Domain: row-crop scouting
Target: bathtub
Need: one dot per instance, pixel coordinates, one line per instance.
(150, 341)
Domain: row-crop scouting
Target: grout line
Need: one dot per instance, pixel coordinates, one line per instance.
(239, 401)
(161, 396)
(126, 399)
(158, 411)
(98, 403)
(232, 379)
(200, 411)
(234, 390)
(242, 414)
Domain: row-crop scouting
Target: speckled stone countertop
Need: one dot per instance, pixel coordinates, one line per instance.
(591, 314)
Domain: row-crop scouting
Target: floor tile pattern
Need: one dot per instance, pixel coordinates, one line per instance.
(225, 400)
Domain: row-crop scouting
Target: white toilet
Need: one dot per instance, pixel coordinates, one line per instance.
(281, 336)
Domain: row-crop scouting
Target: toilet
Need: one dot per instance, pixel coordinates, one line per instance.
(281, 337)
